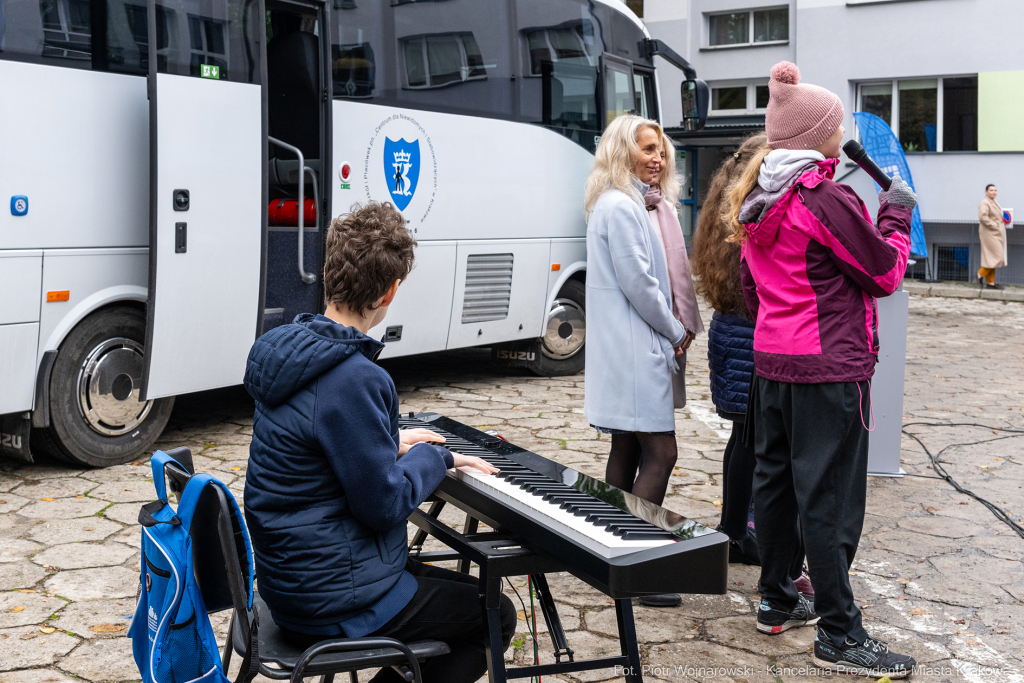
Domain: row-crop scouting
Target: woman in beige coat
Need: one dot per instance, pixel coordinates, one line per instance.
(992, 233)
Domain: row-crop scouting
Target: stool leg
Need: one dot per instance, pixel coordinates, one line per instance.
(352, 677)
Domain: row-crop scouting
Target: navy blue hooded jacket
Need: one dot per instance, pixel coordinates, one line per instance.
(326, 496)
(731, 358)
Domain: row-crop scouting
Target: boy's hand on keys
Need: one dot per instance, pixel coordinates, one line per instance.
(474, 462)
(407, 438)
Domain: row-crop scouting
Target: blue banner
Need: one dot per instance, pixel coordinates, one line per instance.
(882, 146)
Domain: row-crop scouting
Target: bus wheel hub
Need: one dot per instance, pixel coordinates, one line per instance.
(565, 331)
(109, 384)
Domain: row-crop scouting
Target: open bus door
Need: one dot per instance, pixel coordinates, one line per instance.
(208, 218)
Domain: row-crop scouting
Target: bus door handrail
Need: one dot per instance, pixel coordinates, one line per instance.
(308, 278)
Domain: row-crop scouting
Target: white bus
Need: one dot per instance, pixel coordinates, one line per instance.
(144, 146)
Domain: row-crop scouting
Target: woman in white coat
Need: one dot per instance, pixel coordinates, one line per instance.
(633, 337)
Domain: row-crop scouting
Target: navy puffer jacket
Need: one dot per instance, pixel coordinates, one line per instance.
(326, 496)
(731, 358)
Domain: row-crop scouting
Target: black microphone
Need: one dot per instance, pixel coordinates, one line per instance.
(856, 152)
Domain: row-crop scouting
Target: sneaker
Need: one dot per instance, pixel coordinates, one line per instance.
(870, 658)
(804, 586)
(988, 286)
(772, 620)
(981, 281)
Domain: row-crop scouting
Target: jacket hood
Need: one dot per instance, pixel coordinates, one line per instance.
(289, 357)
(762, 211)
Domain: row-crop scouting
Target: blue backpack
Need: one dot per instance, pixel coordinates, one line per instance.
(172, 638)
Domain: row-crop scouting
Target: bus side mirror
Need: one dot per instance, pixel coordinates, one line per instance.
(695, 96)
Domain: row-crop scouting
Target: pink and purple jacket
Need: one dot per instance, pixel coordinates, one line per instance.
(811, 269)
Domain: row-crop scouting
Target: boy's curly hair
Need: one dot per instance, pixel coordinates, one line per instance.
(367, 250)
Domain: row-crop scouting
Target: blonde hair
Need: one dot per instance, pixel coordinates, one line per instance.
(670, 182)
(738, 192)
(613, 161)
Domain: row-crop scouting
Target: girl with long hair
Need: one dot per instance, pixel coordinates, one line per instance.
(811, 264)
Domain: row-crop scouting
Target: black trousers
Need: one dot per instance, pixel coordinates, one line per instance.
(738, 478)
(737, 491)
(812, 461)
(446, 607)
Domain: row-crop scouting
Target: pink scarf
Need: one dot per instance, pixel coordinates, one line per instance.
(684, 299)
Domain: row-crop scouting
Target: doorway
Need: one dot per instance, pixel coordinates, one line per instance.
(298, 101)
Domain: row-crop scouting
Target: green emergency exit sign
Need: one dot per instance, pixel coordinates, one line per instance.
(209, 71)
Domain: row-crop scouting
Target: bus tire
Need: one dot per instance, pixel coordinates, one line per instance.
(96, 417)
(561, 351)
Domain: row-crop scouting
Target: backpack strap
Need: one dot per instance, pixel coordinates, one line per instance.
(251, 662)
(158, 462)
(187, 508)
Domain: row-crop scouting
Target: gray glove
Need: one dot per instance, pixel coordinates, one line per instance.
(898, 193)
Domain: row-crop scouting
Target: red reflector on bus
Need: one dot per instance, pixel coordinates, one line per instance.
(556, 266)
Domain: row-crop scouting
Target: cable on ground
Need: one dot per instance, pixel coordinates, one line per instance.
(999, 513)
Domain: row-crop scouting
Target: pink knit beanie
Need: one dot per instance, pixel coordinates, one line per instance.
(799, 115)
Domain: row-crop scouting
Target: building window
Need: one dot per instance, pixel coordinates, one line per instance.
(760, 26)
(441, 59)
(960, 114)
(918, 114)
(732, 100)
(926, 114)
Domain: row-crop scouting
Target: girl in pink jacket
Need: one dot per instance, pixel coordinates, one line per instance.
(812, 264)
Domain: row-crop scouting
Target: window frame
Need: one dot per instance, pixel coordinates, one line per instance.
(421, 38)
(894, 124)
(751, 109)
(750, 28)
(623, 65)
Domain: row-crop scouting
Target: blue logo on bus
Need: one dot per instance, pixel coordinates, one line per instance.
(402, 169)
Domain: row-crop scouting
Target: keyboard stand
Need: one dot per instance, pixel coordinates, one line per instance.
(499, 556)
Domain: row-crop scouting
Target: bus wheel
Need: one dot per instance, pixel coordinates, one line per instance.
(96, 415)
(561, 350)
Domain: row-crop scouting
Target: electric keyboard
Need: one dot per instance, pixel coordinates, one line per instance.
(622, 545)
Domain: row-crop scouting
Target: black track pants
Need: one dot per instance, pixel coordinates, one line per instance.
(812, 460)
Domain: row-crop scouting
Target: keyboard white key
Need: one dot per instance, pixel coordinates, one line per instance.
(589, 535)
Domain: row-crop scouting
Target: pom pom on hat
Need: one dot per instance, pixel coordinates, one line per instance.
(799, 115)
(786, 72)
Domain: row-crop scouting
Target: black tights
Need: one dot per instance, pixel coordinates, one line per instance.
(654, 455)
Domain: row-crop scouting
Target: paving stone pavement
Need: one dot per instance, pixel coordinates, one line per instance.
(936, 574)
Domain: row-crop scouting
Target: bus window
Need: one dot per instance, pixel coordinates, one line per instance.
(453, 58)
(82, 34)
(561, 48)
(355, 44)
(618, 96)
(643, 94)
(214, 39)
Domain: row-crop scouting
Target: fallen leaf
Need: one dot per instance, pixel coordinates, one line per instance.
(17, 609)
(852, 573)
(127, 489)
(972, 643)
(235, 469)
(107, 628)
(84, 496)
(866, 606)
(960, 621)
(46, 629)
(690, 636)
(88, 528)
(717, 503)
(904, 581)
(48, 500)
(516, 408)
(917, 611)
(3, 502)
(26, 590)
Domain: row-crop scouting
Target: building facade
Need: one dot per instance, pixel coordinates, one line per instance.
(947, 75)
